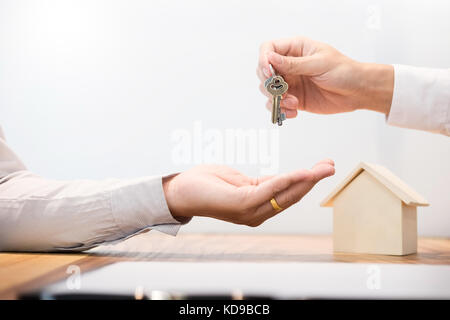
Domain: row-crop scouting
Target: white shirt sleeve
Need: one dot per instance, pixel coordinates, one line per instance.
(421, 99)
(38, 214)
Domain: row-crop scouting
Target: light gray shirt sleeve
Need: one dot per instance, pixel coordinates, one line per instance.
(421, 99)
(38, 214)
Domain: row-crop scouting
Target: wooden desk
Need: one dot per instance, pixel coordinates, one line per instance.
(21, 272)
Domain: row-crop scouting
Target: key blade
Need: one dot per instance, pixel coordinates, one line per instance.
(277, 109)
(274, 110)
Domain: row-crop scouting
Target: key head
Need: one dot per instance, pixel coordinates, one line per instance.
(276, 85)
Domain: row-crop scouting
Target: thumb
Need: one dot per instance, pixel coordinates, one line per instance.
(293, 65)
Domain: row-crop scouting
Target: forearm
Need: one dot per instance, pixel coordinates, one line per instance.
(38, 214)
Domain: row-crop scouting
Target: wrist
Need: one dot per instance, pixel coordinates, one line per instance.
(377, 87)
(170, 196)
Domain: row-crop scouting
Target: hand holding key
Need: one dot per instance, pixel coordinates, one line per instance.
(323, 80)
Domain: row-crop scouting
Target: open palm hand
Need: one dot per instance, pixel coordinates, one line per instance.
(224, 193)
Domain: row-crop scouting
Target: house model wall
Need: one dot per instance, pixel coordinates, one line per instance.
(374, 212)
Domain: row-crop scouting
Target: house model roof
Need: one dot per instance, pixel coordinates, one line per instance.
(385, 177)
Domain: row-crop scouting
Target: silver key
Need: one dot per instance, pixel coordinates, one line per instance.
(276, 86)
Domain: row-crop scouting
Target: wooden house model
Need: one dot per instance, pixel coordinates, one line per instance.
(374, 212)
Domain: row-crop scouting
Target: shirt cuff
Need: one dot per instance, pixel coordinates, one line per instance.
(139, 205)
(421, 99)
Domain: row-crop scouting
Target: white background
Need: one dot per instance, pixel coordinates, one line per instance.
(94, 89)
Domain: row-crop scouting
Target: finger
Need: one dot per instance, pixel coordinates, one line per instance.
(293, 100)
(269, 188)
(285, 199)
(264, 91)
(263, 62)
(323, 169)
(286, 104)
(289, 102)
(327, 160)
(295, 192)
(260, 75)
(308, 65)
(281, 46)
(290, 114)
(269, 105)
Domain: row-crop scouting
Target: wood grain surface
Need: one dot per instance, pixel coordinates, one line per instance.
(22, 272)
